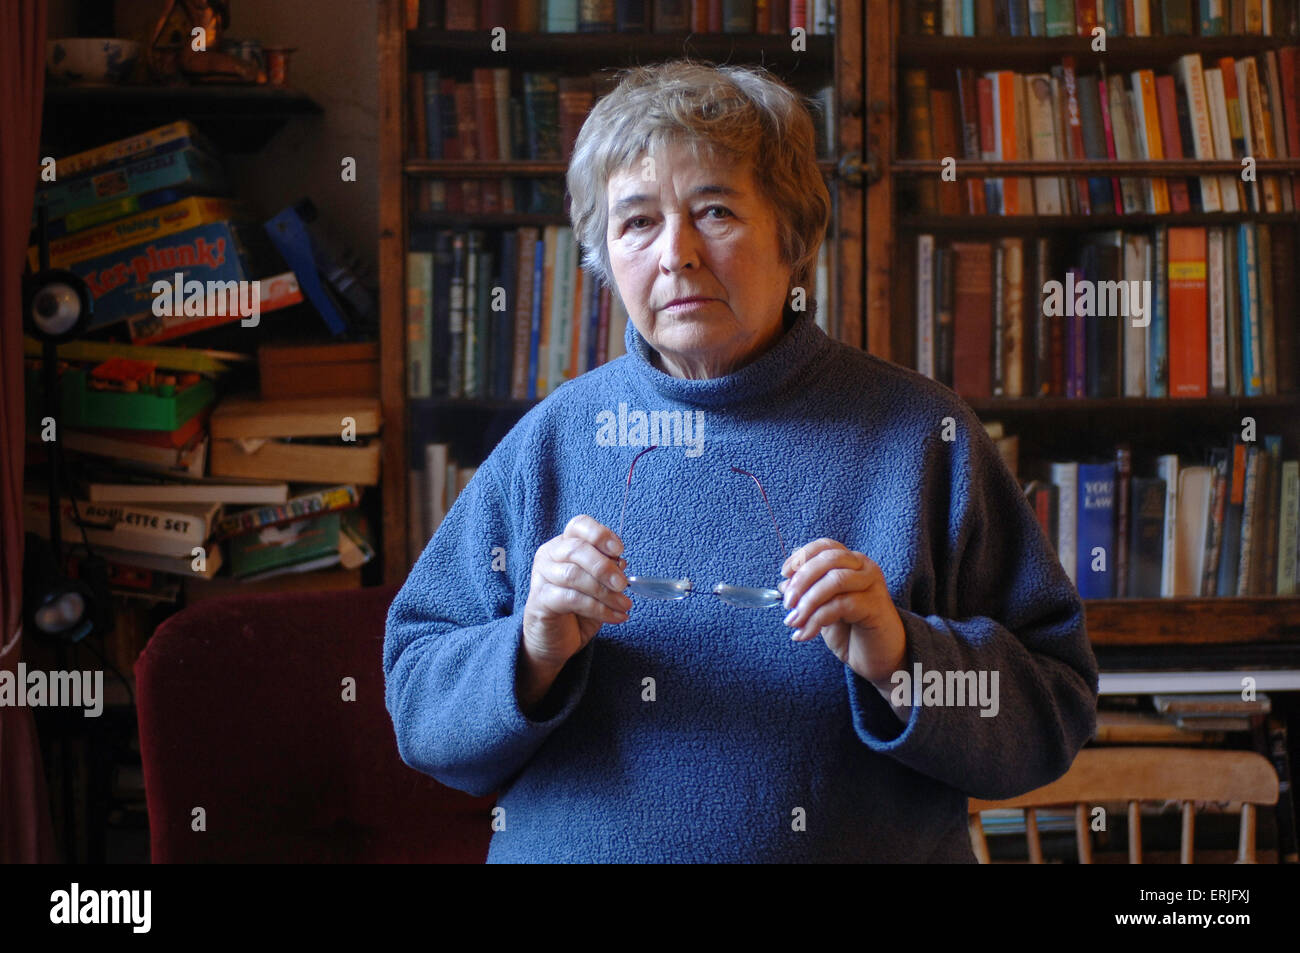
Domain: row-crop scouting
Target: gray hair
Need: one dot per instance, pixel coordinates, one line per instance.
(742, 114)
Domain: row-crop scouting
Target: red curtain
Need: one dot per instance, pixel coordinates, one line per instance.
(26, 835)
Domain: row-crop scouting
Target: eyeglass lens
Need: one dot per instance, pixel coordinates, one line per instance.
(744, 597)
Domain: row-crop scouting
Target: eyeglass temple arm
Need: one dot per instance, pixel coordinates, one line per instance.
(628, 485)
(769, 508)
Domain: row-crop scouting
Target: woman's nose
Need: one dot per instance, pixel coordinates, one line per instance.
(680, 244)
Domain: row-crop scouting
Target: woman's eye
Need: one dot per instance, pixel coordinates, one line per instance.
(720, 208)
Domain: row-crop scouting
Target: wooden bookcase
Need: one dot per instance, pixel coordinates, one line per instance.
(874, 247)
(1259, 630)
(478, 423)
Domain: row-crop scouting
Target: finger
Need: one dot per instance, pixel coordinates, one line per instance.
(828, 614)
(599, 535)
(558, 600)
(569, 575)
(601, 567)
(804, 553)
(838, 561)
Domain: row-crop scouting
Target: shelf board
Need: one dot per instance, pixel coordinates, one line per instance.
(483, 220)
(478, 404)
(1186, 621)
(1046, 51)
(235, 118)
(928, 222)
(1036, 405)
(479, 169)
(1098, 168)
(443, 49)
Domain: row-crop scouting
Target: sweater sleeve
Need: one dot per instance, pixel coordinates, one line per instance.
(451, 643)
(1012, 613)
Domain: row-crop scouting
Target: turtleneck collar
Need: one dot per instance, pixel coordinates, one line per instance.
(800, 345)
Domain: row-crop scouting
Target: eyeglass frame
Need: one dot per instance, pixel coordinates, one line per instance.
(772, 598)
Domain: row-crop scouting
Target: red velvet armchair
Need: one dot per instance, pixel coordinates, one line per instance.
(244, 712)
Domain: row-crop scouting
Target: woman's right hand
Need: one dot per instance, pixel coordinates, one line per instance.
(576, 587)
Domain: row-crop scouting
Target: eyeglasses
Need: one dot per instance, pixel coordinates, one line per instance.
(743, 597)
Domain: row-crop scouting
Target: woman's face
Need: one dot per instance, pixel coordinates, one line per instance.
(679, 229)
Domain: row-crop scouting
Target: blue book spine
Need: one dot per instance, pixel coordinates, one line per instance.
(1037, 17)
(1018, 17)
(535, 332)
(562, 16)
(1249, 285)
(1096, 538)
(1158, 330)
(1113, 24)
(967, 17)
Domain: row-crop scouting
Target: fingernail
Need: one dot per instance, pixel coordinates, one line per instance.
(790, 618)
(787, 600)
(613, 547)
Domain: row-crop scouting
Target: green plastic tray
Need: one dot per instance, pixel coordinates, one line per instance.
(83, 407)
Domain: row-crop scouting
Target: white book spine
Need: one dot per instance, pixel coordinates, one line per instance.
(1202, 139)
(1065, 476)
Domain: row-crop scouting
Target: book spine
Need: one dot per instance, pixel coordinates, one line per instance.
(925, 305)
(300, 507)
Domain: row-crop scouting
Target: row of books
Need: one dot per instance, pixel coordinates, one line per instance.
(436, 478)
(502, 114)
(1178, 312)
(515, 320)
(510, 322)
(1117, 17)
(1225, 109)
(1227, 527)
(626, 16)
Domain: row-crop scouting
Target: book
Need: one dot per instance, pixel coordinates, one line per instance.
(1096, 530)
(1187, 276)
(173, 529)
(332, 539)
(149, 488)
(302, 506)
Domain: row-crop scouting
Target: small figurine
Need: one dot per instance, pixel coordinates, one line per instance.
(171, 47)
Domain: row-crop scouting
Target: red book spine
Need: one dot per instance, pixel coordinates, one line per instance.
(1166, 94)
(1188, 365)
(1075, 126)
(972, 366)
(1104, 97)
(1288, 59)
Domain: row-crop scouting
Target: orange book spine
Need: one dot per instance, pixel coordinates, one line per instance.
(1006, 104)
(1154, 141)
(1188, 363)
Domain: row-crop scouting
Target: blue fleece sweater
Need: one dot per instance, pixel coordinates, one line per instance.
(745, 746)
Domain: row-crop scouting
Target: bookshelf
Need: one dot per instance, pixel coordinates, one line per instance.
(473, 426)
(1246, 630)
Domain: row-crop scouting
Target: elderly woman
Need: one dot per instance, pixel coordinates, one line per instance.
(651, 674)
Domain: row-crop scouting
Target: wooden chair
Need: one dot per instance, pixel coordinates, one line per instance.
(1132, 775)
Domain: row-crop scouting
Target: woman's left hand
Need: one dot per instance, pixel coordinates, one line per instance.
(842, 594)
